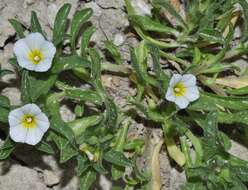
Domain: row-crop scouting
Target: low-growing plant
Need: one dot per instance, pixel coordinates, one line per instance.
(200, 49)
(186, 82)
(50, 77)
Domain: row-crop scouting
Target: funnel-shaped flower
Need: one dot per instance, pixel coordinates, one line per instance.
(28, 124)
(34, 52)
(182, 90)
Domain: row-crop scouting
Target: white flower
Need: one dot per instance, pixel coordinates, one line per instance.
(182, 90)
(28, 124)
(34, 52)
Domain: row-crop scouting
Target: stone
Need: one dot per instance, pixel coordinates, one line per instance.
(13, 94)
(17, 177)
(141, 7)
(6, 54)
(50, 178)
(107, 4)
(119, 39)
(239, 150)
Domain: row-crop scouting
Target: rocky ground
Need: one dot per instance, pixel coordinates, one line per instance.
(42, 172)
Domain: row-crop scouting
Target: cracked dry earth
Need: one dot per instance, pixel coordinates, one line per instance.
(30, 170)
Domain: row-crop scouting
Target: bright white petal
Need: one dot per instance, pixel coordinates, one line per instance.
(170, 95)
(192, 93)
(18, 133)
(34, 40)
(16, 113)
(44, 65)
(14, 121)
(189, 80)
(25, 63)
(21, 49)
(26, 109)
(48, 50)
(182, 102)
(35, 110)
(175, 79)
(34, 136)
(42, 122)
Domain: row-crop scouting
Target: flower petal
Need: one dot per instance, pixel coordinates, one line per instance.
(34, 40)
(42, 122)
(175, 79)
(48, 50)
(18, 133)
(182, 102)
(17, 113)
(192, 93)
(189, 80)
(35, 110)
(44, 65)
(25, 63)
(34, 136)
(26, 109)
(170, 95)
(21, 49)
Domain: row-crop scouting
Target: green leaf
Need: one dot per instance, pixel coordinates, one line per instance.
(148, 24)
(4, 115)
(111, 113)
(35, 24)
(99, 167)
(60, 24)
(231, 118)
(40, 86)
(59, 126)
(83, 95)
(86, 39)
(45, 147)
(211, 35)
(82, 164)
(194, 186)
(6, 149)
(117, 172)
(209, 102)
(67, 151)
(68, 63)
(139, 63)
(18, 27)
(244, 6)
(4, 102)
(168, 7)
(241, 172)
(117, 158)
(95, 64)
(25, 87)
(79, 18)
(79, 125)
(239, 91)
(87, 179)
(113, 50)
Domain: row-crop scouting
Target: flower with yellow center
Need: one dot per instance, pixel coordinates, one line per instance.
(28, 124)
(34, 52)
(182, 90)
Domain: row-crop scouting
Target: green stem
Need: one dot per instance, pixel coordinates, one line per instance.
(185, 150)
(174, 58)
(116, 68)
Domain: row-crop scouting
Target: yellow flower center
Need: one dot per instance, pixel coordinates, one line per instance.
(35, 56)
(179, 89)
(29, 121)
